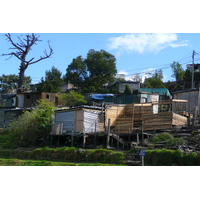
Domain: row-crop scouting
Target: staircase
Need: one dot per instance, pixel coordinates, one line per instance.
(120, 140)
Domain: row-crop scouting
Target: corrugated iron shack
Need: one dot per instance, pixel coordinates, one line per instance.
(8, 115)
(83, 119)
(8, 100)
(193, 97)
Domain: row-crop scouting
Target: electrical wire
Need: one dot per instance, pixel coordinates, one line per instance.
(187, 59)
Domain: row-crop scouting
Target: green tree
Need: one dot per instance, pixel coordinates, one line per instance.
(178, 73)
(158, 74)
(10, 82)
(52, 83)
(127, 90)
(30, 126)
(71, 99)
(76, 72)
(155, 81)
(93, 73)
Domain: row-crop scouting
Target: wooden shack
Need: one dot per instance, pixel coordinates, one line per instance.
(29, 99)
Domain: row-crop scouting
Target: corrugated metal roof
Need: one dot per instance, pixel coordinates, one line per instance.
(78, 108)
(160, 91)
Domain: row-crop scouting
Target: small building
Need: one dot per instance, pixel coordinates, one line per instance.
(83, 119)
(8, 100)
(121, 86)
(193, 97)
(163, 93)
(138, 97)
(29, 99)
(196, 67)
(8, 115)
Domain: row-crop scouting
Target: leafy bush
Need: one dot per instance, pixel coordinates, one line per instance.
(71, 154)
(167, 157)
(29, 127)
(161, 138)
(175, 141)
(71, 99)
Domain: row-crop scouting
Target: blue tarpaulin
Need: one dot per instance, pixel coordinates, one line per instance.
(101, 96)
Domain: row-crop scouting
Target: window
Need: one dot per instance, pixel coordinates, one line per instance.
(28, 96)
(47, 96)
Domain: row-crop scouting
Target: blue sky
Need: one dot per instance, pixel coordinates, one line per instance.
(135, 52)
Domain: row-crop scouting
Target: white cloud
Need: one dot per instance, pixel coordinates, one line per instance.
(123, 72)
(145, 42)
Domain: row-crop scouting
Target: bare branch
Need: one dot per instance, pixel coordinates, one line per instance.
(21, 49)
(47, 55)
(10, 40)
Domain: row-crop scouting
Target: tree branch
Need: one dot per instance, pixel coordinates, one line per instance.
(47, 55)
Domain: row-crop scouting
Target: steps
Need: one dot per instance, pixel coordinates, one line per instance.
(120, 140)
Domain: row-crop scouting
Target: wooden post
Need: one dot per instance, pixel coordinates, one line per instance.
(138, 141)
(142, 126)
(84, 140)
(95, 135)
(51, 141)
(189, 119)
(118, 138)
(142, 135)
(72, 140)
(58, 141)
(108, 134)
(132, 118)
(196, 113)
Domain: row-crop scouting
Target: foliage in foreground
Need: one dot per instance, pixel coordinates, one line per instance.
(29, 127)
(17, 162)
(67, 154)
(167, 157)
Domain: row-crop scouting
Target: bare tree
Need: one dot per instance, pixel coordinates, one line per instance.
(21, 49)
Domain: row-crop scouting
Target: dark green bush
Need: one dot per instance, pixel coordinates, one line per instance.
(167, 157)
(29, 127)
(65, 154)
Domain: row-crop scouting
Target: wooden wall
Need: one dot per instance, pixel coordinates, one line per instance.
(193, 98)
(124, 119)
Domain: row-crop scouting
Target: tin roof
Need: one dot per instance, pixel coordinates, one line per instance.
(160, 91)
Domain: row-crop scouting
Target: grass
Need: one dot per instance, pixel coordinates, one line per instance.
(17, 162)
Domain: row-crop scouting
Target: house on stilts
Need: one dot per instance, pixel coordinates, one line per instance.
(118, 124)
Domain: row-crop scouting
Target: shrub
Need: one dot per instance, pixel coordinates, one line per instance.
(71, 154)
(175, 141)
(29, 127)
(71, 99)
(161, 138)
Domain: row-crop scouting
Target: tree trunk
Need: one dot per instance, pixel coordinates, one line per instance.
(21, 77)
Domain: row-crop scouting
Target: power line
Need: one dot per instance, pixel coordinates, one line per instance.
(184, 61)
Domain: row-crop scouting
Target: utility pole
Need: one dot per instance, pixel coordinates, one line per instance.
(193, 69)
